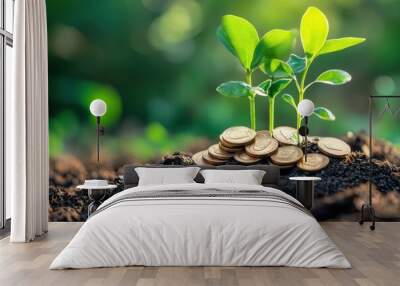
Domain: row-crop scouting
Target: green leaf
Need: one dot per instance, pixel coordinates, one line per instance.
(289, 99)
(314, 29)
(298, 64)
(265, 85)
(258, 91)
(235, 89)
(324, 113)
(335, 45)
(334, 77)
(240, 37)
(277, 68)
(277, 86)
(276, 43)
(224, 39)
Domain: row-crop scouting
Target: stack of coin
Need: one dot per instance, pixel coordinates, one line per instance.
(198, 158)
(237, 136)
(214, 155)
(286, 135)
(228, 147)
(248, 147)
(244, 158)
(263, 145)
(209, 159)
(232, 141)
(216, 152)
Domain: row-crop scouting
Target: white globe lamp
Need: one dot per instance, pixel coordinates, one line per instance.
(306, 107)
(98, 107)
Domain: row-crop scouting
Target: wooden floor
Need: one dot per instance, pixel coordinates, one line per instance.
(375, 257)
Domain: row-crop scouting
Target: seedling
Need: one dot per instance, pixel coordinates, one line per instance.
(241, 38)
(314, 30)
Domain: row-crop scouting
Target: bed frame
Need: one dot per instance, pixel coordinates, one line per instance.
(271, 177)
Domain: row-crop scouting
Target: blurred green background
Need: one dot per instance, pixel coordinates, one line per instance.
(157, 63)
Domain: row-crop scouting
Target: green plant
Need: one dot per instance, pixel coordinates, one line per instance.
(271, 89)
(314, 29)
(240, 37)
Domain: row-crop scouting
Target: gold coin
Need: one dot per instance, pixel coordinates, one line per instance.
(263, 145)
(315, 162)
(238, 135)
(229, 145)
(287, 155)
(333, 147)
(218, 153)
(286, 135)
(244, 158)
(229, 149)
(198, 158)
(211, 160)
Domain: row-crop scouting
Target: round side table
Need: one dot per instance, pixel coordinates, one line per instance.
(305, 190)
(96, 195)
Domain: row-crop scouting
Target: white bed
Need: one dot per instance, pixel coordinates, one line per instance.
(185, 230)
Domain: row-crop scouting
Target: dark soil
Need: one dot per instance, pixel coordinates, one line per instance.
(350, 172)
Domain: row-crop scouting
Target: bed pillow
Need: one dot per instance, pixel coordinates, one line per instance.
(246, 177)
(166, 176)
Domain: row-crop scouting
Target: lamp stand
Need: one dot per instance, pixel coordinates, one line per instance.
(99, 132)
(303, 131)
(305, 138)
(367, 209)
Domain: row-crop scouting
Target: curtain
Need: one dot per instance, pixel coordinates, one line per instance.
(27, 163)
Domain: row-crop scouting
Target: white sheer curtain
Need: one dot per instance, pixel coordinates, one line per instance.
(27, 124)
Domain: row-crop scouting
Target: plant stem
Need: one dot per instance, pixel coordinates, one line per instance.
(302, 90)
(301, 97)
(296, 83)
(252, 112)
(271, 106)
(252, 102)
(248, 77)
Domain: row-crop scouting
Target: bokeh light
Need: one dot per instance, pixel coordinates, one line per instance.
(178, 24)
(384, 85)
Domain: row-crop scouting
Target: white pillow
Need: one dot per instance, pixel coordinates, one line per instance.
(165, 176)
(247, 177)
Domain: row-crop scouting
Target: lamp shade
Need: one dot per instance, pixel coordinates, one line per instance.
(98, 107)
(306, 107)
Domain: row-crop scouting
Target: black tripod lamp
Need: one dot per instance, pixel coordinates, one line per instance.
(306, 109)
(98, 108)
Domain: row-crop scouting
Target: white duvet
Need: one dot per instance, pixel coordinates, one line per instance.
(200, 231)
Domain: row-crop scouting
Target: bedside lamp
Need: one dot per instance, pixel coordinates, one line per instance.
(98, 188)
(306, 109)
(98, 108)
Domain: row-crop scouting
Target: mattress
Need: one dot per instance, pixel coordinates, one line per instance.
(201, 225)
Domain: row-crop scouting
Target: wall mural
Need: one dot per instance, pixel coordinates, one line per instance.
(157, 68)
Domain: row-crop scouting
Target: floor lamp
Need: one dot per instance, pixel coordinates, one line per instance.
(98, 108)
(367, 209)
